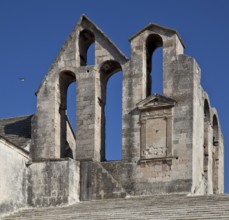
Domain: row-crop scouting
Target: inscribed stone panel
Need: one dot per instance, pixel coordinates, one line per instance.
(155, 138)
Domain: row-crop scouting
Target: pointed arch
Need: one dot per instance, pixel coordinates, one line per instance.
(206, 110)
(67, 135)
(215, 130)
(153, 41)
(107, 69)
(86, 39)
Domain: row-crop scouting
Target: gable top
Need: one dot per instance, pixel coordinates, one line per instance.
(156, 101)
(157, 28)
(84, 22)
(89, 22)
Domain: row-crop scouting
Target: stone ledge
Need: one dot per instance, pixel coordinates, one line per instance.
(158, 159)
(52, 160)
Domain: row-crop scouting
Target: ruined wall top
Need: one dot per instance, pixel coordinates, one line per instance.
(167, 130)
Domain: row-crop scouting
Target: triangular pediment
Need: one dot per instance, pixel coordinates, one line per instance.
(68, 50)
(156, 101)
(69, 56)
(158, 29)
(85, 23)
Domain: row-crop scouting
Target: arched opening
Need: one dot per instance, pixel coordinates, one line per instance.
(215, 157)
(71, 105)
(206, 143)
(157, 71)
(86, 41)
(111, 114)
(215, 131)
(154, 63)
(91, 55)
(67, 101)
(206, 111)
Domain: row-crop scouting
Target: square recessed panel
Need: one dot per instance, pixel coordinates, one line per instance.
(155, 138)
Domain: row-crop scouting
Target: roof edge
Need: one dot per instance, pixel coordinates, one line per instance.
(22, 151)
(104, 35)
(23, 116)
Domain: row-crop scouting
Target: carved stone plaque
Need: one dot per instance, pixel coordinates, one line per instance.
(155, 145)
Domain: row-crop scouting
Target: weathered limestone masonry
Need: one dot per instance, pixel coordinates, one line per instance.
(171, 142)
(13, 181)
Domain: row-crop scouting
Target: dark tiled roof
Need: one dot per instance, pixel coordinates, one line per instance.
(16, 130)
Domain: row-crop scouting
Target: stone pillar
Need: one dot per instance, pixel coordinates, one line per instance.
(85, 133)
(132, 94)
(46, 122)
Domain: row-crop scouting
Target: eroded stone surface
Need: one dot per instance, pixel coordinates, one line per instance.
(171, 143)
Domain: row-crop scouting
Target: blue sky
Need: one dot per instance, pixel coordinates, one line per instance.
(33, 31)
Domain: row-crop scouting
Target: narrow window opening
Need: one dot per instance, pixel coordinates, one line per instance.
(206, 111)
(91, 55)
(67, 112)
(206, 144)
(86, 48)
(71, 106)
(215, 132)
(154, 63)
(113, 121)
(215, 159)
(157, 71)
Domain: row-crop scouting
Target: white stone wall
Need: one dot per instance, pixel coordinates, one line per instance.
(13, 185)
(198, 135)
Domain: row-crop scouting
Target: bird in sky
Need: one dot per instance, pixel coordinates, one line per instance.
(22, 79)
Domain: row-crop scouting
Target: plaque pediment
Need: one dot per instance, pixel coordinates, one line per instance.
(156, 101)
